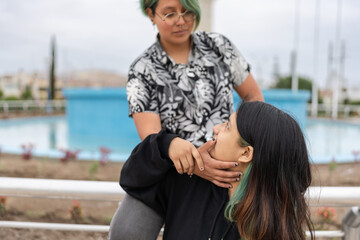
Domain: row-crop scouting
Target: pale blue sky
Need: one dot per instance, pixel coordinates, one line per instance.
(110, 34)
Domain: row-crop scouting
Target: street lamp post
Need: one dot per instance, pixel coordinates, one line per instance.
(337, 58)
(314, 100)
(294, 76)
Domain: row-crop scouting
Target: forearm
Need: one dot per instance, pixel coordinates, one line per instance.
(148, 162)
(249, 90)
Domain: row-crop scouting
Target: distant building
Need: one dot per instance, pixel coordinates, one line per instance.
(15, 84)
(93, 78)
(353, 93)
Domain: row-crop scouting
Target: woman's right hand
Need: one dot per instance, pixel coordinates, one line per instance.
(216, 171)
(183, 153)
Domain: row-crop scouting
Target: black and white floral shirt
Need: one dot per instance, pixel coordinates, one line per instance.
(189, 98)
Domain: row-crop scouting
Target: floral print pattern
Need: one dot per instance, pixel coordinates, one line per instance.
(189, 98)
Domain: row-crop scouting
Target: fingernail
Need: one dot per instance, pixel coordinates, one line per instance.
(213, 138)
(240, 174)
(230, 186)
(235, 164)
(237, 179)
(201, 169)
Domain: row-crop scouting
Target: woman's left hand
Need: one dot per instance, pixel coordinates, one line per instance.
(184, 156)
(214, 170)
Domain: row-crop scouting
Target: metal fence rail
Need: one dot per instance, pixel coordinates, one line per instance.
(104, 190)
(32, 105)
(105, 228)
(342, 108)
(111, 191)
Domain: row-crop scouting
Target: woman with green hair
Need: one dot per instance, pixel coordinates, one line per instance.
(182, 83)
(268, 202)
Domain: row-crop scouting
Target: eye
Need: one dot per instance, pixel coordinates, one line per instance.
(188, 14)
(170, 15)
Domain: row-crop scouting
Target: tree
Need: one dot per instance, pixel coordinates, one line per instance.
(1, 94)
(52, 79)
(26, 94)
(285, 82)
(304, 84)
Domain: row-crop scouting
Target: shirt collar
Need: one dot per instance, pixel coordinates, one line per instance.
(164, 58)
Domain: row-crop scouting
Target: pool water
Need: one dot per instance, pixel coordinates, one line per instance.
(326, 140)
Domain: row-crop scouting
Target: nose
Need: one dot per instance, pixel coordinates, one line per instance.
(217, 128)
(180, 20)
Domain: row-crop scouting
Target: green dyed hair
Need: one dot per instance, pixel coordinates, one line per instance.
(191, 5)
(238, 195)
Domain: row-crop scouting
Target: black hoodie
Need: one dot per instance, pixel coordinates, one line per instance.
(193, 208)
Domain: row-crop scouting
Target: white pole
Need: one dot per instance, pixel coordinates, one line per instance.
(294, 78)
(337, 57)
(314, 105)
(206, 15)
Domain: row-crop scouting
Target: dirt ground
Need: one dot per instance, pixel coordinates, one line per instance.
(100, 212)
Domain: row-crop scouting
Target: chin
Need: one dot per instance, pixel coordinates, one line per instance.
(211, 153)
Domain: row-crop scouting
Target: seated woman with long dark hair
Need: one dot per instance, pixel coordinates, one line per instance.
(266, 203)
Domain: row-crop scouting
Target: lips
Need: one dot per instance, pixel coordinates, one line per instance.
(181, 32)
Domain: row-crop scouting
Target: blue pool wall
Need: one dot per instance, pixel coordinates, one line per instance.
(99, 115)
(93, 114)
(292, 103)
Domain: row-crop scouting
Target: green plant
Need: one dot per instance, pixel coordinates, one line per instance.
(332, 167)
(3, 205)
(1, 94)
(76, 212)
(27, 93)
(107, 219)
(11, 98)
(93, 170)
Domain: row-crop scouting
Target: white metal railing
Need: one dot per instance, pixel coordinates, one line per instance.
(55, 226)
(26, 105)
(60, 189)
(111, 191)
(104, 190)
(342, 108)
(105, 228)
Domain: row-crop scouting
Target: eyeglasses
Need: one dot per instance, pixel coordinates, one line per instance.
(172, 18)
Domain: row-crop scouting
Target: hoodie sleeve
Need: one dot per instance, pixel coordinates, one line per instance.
(146, 168)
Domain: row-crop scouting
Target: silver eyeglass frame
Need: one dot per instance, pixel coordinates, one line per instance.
(179, 15)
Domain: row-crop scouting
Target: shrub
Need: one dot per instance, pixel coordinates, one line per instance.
(2, 205)
(76, 211)
(27, 151)
(326, 214)
(104, 158)
(68, 155)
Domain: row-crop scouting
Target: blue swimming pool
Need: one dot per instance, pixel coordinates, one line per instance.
(326, 139)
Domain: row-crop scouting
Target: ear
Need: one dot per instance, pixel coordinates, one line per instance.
(150, 14)
(246, 154)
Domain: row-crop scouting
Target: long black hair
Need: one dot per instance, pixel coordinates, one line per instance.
(270, 202)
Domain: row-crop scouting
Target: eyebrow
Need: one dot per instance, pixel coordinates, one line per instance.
(168, 8)
(171, 8)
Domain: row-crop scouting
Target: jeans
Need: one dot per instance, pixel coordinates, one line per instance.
(133, 220)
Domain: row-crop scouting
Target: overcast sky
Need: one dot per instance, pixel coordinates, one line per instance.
(110, 34)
